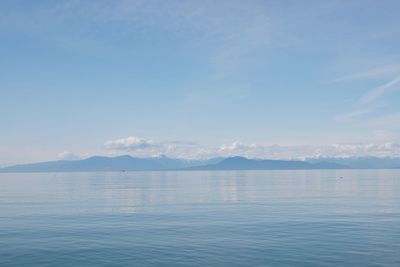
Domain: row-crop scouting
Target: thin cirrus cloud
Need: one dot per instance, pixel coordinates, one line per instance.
(354, 114)
(381, 72)
(381, 90)
(367, 103)
(234, 29)
(248, 69)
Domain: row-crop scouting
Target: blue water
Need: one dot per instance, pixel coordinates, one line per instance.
(238, 218)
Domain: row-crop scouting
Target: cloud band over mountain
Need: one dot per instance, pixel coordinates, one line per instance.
(142, 147)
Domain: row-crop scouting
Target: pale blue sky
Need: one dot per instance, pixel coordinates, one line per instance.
(199, 78)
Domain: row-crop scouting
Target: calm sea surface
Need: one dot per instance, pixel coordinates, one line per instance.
(235, 218)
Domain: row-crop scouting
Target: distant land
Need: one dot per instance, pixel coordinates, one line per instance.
(129, 163)
(242, 163)
(99, 163)
(363, 162)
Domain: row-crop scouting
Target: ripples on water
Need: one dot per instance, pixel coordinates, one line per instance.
(243, 218)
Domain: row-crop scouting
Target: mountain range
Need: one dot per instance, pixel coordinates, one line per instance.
(100, 163)
(242, 163)
(129, 163)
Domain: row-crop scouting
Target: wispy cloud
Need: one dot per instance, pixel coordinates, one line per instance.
(355, 113)
(227, 34)
(381, 72)
(368, 102)
(380, 90)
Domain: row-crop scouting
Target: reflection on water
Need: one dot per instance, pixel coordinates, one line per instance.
(194, 218)
(133, 191)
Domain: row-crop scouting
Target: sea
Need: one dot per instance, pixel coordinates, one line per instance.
(201, 218)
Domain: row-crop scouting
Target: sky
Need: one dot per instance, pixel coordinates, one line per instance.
(199, 79)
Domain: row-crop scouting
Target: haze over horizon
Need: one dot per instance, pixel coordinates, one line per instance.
(199, 79)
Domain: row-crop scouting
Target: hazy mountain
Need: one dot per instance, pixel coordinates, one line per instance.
(129, 163)
(362, 162)
(119, 163)
(241, 163)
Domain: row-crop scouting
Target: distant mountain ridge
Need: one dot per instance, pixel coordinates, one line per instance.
(242, 163)
(100, 163)
(129, 163)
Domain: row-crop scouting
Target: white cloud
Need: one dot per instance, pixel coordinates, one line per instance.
(146, 148)
(66, 155)
(297, 152)
(140, 147)
(130, 143)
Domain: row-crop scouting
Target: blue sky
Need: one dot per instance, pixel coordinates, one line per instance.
(269, 79)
